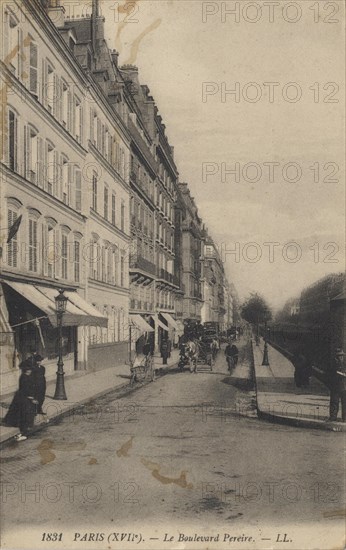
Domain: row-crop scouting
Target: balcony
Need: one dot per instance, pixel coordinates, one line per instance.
(163, 274)
(137, 262)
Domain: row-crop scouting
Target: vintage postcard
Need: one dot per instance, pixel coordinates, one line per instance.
(172, 286)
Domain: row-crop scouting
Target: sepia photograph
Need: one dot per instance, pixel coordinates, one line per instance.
(172, 283)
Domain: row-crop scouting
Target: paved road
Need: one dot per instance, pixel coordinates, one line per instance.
(187, 449)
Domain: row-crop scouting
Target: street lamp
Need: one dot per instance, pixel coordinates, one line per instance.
(60, 305)
(265, 361)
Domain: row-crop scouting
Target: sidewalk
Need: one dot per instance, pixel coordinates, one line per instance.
(81, 387)
(278, 400)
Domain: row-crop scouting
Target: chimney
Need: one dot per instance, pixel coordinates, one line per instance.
(115, 57)
(56, 13)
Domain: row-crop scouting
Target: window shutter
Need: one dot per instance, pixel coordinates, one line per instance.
(26, 152)
(44, 83)
(20, 53)
(81, 123)
(56, 97)
(56, 181)
(78, 183)
(69, 182)
(57, 255)
(40, 161)
(70, 122)
(33, 74)
(45, 250)
(12, 245)
(6, 38)
(91, 125)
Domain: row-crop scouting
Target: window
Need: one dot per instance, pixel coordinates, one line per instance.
(50, 252)
(113, 209)
(12, 140)
(51, 168)
(122, 270)
(76, 261)
(105, 203)
(94, 193)
(94, 130)
(93, 260)
(33, 68)
(65, 104)
(64, 255)
(109, 265)
(50, 91)
(31, 153)
(11, 40)
(78, 120)
(115, 266)
(78, 189)
(12, 247)
(103, 264)
(65, 181)
(32, 245)
(122, 216)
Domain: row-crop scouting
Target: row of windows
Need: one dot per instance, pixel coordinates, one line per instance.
(106, 264)
(40, 162)
(109, 207)
(141, 177)
(141, 217)
(107, 144)
(165, 177)
(37, 73)
(43, 247)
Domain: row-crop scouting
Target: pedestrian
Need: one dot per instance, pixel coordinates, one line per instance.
(231, 353)
(338, 387)
(164, 351)
(302, 371)
(21, 412)
(39, 375)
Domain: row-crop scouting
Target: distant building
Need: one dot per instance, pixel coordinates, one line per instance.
(191, 256)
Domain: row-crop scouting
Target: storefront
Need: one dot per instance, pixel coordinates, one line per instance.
(28, 313)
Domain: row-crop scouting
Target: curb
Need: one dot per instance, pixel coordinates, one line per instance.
(7, 439)
(301, 423)
(295, 422)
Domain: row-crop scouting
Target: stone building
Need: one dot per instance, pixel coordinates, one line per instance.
(214, 304)
(191, 256)
(64, 155)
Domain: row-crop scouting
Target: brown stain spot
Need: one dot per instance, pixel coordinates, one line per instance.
(92, 461)
(135, 44)
(181, 481)
(124, 449)
(124, 9)
(46, 447)
(335, 513)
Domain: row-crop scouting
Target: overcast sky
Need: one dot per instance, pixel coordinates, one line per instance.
(179, 55)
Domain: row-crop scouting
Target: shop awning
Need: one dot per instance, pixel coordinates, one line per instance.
(140, 323)
(78, 311)
(172, 322)
(162, 325)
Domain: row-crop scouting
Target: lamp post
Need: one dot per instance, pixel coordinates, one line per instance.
(265, 361)
(60, 304)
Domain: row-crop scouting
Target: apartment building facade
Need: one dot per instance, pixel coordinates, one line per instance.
(58, 180)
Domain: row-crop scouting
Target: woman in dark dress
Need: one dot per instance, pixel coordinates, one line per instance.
(21, 413)
(39, 375)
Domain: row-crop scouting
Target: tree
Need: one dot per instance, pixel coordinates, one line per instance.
(255, 309)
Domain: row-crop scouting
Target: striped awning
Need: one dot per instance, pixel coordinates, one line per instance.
(78, 311)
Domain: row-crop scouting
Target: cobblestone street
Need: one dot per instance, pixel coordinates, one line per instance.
(187, 445)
